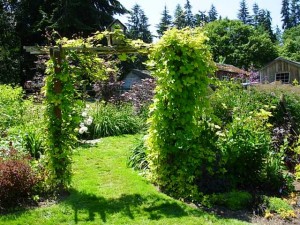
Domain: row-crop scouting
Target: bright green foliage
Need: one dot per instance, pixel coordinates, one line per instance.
(11, 106)
(112, 120)
(181, 63)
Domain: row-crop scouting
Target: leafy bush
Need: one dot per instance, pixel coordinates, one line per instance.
(245, 144)
(11, 106)
(17, 179)
(280, 206)
(112, 120)
(181, 62)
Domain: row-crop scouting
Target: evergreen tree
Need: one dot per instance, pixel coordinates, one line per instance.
(179, 17)
(243, 14)
(70, 16)
(212, 14)
(294, 13)
(165, 22)
(189, 17)
(9, 48)
(255, 16)
(278, 34)
(138, 27)
(265, 23)
(201, 18)
(285, 14)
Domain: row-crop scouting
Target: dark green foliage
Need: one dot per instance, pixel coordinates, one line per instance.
(234, 200)
(212, 14)
(165, 22)
(17, 179)
(239, 44)
(189, 17)
(285, 14)
(201, 18)
(243, 14)
(138, 27)
(179, 17)
(9, 50)
(112, 120)
(291, 44)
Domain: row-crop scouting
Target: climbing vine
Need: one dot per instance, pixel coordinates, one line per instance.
(70, 62)
(181, 63)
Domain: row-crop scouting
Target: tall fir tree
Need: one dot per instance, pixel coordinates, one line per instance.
(255, 15)
(201, 18)
(285, 14)
(243, 13)
(189, 16)
(212, 14)
(179, 17)
(165, 22)
(265, 23)
(294, 13)
(138, 27)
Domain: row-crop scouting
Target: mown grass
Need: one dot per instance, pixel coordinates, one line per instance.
(105, 191)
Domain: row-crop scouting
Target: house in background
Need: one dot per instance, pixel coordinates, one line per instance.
(227, 72)
(280, 69)
(134, 77)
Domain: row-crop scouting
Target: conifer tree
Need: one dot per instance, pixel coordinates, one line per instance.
(165, 22)
(285, 14)
(189, 17)
(179, 17)
(294, 13)
(255, 15)
(212, 14)
(138, 27)
(243, 13)
(201, 18)
(265, 23)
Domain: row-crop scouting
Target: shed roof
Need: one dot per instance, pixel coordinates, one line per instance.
(230, 68)
(284, 60)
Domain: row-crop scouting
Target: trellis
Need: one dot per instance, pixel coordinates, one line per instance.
(57, 55)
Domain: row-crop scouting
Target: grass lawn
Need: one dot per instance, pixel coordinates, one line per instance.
(105, 191)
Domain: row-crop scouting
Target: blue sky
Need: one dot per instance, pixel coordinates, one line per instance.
(225, 8)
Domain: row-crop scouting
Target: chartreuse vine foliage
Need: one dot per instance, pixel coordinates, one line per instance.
(181, 63)
(70, 63)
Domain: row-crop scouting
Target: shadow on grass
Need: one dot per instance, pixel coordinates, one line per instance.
(152, 207)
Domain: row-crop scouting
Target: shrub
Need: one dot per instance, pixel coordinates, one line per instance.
(181, 62)
(112, 120)
(17, 180)
(12, 106)
(245, 144)
(280, 206)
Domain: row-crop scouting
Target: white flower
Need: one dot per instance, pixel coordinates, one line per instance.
(84, 114)
(81, 125)
(89, 121)
(83, 130)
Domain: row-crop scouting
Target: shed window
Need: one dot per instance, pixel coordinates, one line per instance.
(283, 77)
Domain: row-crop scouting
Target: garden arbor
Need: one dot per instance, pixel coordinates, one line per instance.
(69, 62)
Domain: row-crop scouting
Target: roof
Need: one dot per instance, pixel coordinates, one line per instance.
(284, 60)
(230, 68)
(143, 74)
(116, 21)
